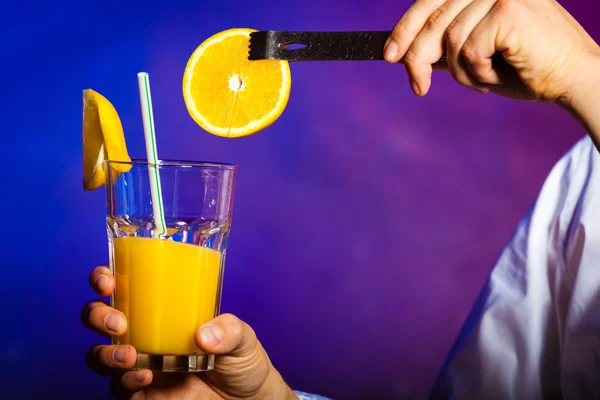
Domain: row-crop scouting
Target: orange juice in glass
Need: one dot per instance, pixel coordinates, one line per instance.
(168, 285)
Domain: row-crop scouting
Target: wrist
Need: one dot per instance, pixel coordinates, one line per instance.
(582, 100)
(584, 86)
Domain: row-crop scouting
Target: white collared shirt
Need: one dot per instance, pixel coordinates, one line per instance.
(534, 331)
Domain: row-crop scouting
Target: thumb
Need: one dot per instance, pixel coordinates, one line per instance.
(242, 367)
(226, 334)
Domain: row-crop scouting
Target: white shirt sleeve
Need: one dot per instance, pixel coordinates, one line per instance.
(534, 331)
(309, 396)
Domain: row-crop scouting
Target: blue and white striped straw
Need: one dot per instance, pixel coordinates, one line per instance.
(152, 154)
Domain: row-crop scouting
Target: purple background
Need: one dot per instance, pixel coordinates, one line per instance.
(365, 219)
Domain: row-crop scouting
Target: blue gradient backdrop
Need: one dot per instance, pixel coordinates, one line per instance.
(365, 221)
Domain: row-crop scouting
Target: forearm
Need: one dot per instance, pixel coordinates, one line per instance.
(583, 102)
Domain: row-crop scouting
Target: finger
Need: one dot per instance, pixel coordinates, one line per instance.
(226, 334)
(116, 356)
(456, 35)
(91, 359)
(478, 49)
(102, 281)
(100, 318)
(407, 29)
(110, 360)
(136, 380)
(428, 46)
(419, 75)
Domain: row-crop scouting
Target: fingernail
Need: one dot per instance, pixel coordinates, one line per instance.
(113, 322)
(139, 376)
(120, 354)
(211, 335)
(101, 281)
(481, 89)
(391, 50)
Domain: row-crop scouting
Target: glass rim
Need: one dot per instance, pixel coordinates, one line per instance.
(175, 163)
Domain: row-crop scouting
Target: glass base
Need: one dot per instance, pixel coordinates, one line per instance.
(175, 363)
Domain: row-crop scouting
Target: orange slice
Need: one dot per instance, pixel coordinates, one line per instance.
(229, 96)
(103, 139)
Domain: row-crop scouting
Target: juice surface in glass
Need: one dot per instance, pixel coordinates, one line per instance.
(167, 290)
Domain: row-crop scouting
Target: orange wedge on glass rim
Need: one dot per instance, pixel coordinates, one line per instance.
(102, 138)
(230, 96)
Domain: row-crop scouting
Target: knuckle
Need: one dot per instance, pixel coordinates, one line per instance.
(435, 20)
(506, 5)
(400, 29)
(470, 54)
(454, 32)
(411, 57)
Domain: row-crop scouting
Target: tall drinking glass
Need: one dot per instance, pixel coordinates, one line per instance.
(168, 285)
